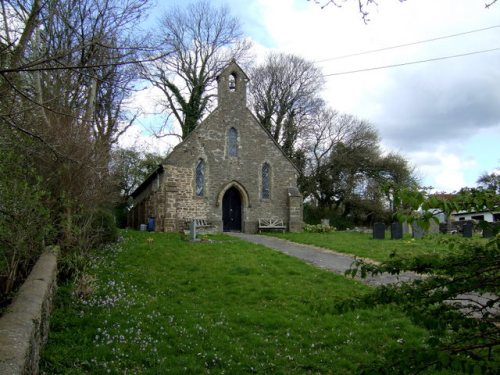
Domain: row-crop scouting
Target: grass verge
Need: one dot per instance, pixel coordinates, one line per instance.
(156, 304)
(363, 245)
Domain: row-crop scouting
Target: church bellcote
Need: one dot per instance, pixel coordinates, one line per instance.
(232, 86)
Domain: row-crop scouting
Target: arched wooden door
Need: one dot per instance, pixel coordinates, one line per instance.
(231, 210)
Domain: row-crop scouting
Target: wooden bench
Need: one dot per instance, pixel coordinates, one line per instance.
(271, 224)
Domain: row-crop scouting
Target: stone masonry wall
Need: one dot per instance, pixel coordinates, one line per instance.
(181, 202)
(255, 147)
(296, 209)
(25, 325)
(176, 200)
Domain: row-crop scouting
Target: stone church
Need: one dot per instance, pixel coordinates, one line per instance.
(229, 171)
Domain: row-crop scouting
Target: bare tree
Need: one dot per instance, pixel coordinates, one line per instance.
(200, 39)
(341, 151)
(365, 5)
(284, 93)
(346, 171)
(84, 47)
(65, 73)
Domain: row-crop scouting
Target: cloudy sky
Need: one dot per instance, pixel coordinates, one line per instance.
(443, 115)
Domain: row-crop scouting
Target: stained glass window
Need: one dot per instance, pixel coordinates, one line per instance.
(232, 142)
(266, 188)
(200, 177)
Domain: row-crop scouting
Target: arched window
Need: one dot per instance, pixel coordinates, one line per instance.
(232, 82)
(200, 177)
(266, 181)
(232, 142)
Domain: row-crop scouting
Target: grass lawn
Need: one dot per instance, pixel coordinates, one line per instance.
(363, 245)
(169, 306)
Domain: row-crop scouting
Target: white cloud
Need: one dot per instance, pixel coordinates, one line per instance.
(429, 112)
(444, 169)
(146, 101)
(136, 137)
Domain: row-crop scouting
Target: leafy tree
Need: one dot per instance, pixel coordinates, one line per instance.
(457, 301)
(129, 168)
(392, 174)
(490, 181)
(198, 42)
(346, 171)
(285, 94)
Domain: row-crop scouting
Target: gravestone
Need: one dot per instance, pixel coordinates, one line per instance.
(443, 228)
(396, 231)
(467, 230)
(418, 231)
(406, 228)
(433, 227)
(488, 232)
(192, 230)
(378, 231)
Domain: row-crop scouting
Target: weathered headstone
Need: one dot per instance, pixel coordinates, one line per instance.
(406, 227)
(488, 232)
(443, 228)
(433, 227)
(418, 231)
(192, 231)
(467, 229)
(490, 229)
(396, 231)
(378, 231)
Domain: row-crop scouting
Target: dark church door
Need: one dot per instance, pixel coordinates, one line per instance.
(231, 210)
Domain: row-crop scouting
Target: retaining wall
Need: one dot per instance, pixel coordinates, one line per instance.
(24, 327)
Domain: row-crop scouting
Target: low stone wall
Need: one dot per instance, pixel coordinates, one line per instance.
(24, 327)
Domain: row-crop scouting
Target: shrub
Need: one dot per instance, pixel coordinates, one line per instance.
(463, 326)
(24, 223)
(70, 265)
(314, 215)
(104, 225)
(87, 231)
(318, 228)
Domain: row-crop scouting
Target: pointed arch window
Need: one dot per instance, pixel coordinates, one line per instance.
(200, 178)
(232, 142)
(266, 181)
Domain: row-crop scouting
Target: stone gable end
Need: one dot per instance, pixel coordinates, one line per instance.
(233, 148)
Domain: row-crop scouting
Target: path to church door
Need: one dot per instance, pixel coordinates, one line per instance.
(231, 210)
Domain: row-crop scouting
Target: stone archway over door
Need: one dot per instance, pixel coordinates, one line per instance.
(231, 210)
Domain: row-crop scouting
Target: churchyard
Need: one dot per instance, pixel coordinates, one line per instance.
(363, 245)
(156, 303)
